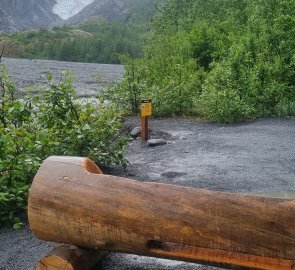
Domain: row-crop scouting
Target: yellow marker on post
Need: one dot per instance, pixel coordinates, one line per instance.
(146, 109)
(146, 112)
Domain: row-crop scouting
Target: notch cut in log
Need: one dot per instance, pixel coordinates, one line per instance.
(72, 202)
(67, 257)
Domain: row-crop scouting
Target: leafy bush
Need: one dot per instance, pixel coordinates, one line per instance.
(222, 97)
(169, 80)
(53, 122)
(226, 60)
(285, 108)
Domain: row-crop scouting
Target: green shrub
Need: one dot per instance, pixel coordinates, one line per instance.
(227, 60)
(53, 122)
(222, 100)
(285, 108)
(170, 80)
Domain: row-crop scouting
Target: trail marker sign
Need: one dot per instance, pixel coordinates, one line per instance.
(146, 108)
(145, 112)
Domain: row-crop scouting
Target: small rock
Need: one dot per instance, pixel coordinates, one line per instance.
(135, 132)
(156, 142)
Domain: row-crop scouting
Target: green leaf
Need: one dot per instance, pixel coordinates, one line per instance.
(18, 226)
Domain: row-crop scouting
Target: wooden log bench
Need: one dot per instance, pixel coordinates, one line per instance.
(72, 202)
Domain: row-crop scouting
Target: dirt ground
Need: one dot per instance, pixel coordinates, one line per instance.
(255, 156)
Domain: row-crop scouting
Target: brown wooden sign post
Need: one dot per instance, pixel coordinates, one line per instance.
(70, 201)
(146, 112)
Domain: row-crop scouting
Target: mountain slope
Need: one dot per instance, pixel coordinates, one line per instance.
(68, 8)
(116, 10)
(122, 31)
(16, 15)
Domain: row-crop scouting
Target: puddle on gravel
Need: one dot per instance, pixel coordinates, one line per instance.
(281, 194)
(173, 175)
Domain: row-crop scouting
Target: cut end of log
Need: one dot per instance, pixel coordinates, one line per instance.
(90, 166)
(54, 263)
(87, 164)
(66, 257)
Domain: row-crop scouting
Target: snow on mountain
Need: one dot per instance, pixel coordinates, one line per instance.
(68, 8)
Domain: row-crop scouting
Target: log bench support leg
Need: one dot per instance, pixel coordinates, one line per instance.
(66, 257)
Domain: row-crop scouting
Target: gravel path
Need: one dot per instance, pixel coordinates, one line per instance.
(251, 157)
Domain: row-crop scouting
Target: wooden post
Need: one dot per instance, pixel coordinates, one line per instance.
(67, 257)
(145, 128)
(146, 112)
(70, 203)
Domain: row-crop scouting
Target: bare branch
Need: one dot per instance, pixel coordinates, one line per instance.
(1, 54)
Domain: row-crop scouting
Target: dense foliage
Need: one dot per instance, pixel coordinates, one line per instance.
(51, 121)
(98, 40)
(226, 60)
(93, 41)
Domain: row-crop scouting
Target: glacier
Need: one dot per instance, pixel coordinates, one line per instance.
(65, 9)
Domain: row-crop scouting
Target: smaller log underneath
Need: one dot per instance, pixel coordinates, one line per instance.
(67, 257)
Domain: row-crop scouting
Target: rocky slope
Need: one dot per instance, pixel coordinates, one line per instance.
(16, 15)
(68, 8)
(115, 10)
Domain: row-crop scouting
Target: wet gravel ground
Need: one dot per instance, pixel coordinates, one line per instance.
(251, 157)
(88, 78)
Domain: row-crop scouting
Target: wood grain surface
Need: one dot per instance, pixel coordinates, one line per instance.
(72, 202)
